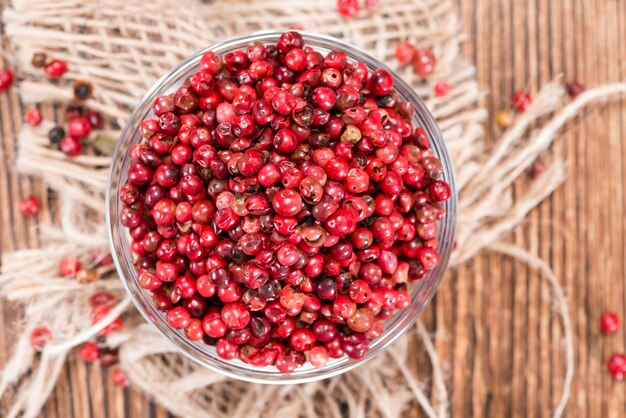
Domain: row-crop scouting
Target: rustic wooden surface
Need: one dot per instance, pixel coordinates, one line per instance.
(498, 330)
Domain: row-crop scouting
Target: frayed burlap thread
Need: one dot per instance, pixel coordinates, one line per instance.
(123, 46)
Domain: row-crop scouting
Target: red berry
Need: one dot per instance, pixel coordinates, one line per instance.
(348, 8)
(235, 315)
(441, 88)
(102, 298)
(318, 356)
(178, 317)
(39, 337)
(95, 119)
(70, 146)
(574, 88)
(287, 202)
(34, 117)
(360, 291)
(211, 63)
(424, 61)
(6, 78)
(69, 266)
(355, 346)
(100, 312)
(226, 349)
(289, 41)
(213, 325)
(428, 258)
(89, 352)
(79, 127)
(380, 82)
(194, 330)
(302, 339)
(537, 169)
(521, 101)
(56, 68)
(118, 377)
(617, 366)
(29, 206)
(439, 191)
(609, 322)
(405, 52)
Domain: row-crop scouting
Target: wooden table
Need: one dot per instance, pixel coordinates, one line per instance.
(504, 345)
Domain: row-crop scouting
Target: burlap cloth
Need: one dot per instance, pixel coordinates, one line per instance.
(123, 46)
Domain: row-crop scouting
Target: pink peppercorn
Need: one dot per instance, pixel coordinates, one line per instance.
(6, 78)
(609, 322)
(617, 366)
(118, 377)
(39, 337)
(521, 101)
(29, 206)
(34, 117)
(441, 88)
(348, 8)
(405, 52)
(280, 201)
(89, 352)
(56, 68)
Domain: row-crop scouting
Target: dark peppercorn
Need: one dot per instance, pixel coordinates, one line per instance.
(56, 134)
(82, 90)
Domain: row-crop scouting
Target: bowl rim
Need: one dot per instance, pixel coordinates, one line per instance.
(307, 373)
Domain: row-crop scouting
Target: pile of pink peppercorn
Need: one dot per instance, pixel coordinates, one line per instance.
(280, 204)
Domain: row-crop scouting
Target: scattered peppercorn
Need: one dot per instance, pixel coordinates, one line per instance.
(6, 78)
(69, 266)
(504, 118)
(100, 312)
(574, 88)
(109, 357)
(102, 298)
(119, 378)
(521, 101)
(89, 352)
(609, 322)
(74, 111)
(537, 169)
(39, 59)
(405, 52)
(29, 206)
(39, 337)
(282, 220)
(56, 135)
(85, 276)
(79, 127)
(82, 90)
(441, 88)
(56, 68)
(617, 366)
(95, 119)
(70, 146)
(424, 62)
(348, 8)
(34, 117)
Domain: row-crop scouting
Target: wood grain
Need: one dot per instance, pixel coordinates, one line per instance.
(495, 324)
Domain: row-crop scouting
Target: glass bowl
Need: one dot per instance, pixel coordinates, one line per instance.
(422, 291)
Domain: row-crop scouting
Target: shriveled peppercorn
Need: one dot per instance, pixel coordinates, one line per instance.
(39, 59)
